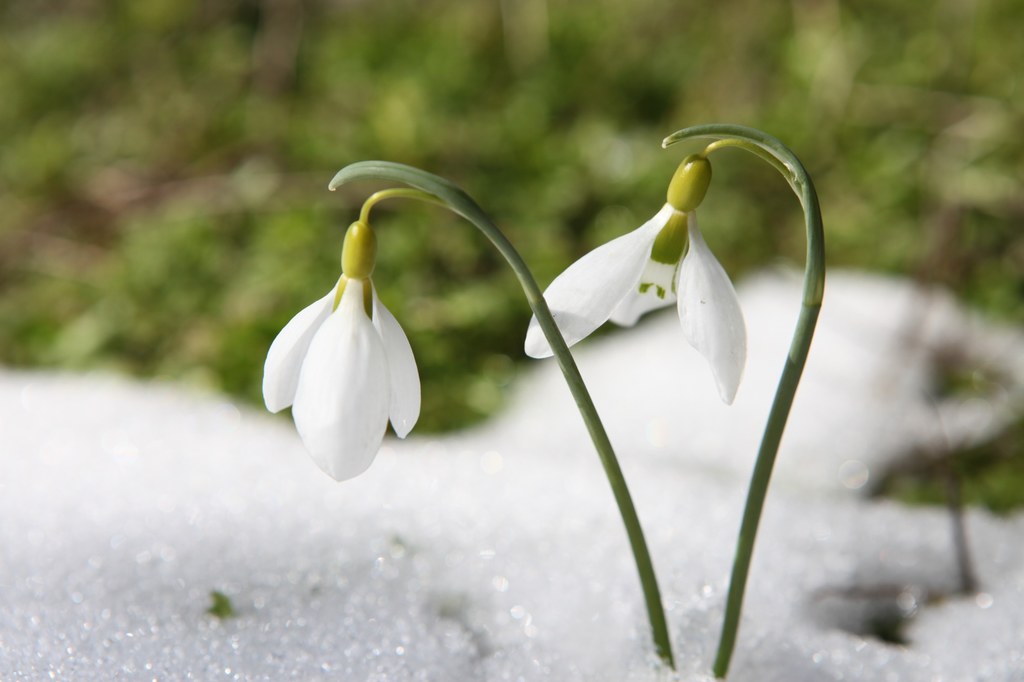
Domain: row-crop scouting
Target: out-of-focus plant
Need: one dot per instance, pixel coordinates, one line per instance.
(162, 162)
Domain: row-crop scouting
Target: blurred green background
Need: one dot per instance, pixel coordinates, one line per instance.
(163, 172)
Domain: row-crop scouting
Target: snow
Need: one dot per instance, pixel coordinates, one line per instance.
(497, 553)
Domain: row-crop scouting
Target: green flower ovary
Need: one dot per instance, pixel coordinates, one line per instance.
(689, 183)
(359, 251)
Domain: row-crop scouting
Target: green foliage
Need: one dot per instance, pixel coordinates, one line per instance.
(163, 208)
(990, 474)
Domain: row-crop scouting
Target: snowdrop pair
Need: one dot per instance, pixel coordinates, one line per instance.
(345, 367)
(664, 261)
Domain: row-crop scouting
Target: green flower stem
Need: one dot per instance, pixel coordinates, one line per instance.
(783, 160)
(439, 191)
(395, 193)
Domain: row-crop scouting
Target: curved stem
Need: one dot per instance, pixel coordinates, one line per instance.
(458, 201)
(783, 160)
(753, 149)
(395, 193)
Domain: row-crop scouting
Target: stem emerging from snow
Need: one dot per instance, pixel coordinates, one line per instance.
(437, 190)
(783, 160)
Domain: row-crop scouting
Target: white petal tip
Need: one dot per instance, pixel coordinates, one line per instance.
(340, 463)
(273, 408)
(728, 374)
(538, 352)
(343, 474)
(402, 430)
(537, 345)
(727, 396)
(275, 396)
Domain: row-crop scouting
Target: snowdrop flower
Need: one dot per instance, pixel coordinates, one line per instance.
(664, 261)
(345, 367)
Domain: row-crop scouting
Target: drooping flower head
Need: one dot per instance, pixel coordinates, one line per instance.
(664, 261)
(345, 367)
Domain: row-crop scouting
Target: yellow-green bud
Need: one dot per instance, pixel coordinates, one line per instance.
(690, 183)
(359, 251)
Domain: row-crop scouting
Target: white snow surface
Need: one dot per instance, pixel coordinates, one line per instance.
(497, 553)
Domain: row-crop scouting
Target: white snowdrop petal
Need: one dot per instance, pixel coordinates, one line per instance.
(404, 408)
(583, 297)
(341, 404)
(709, 312)
(284, 359)
(654, 290)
